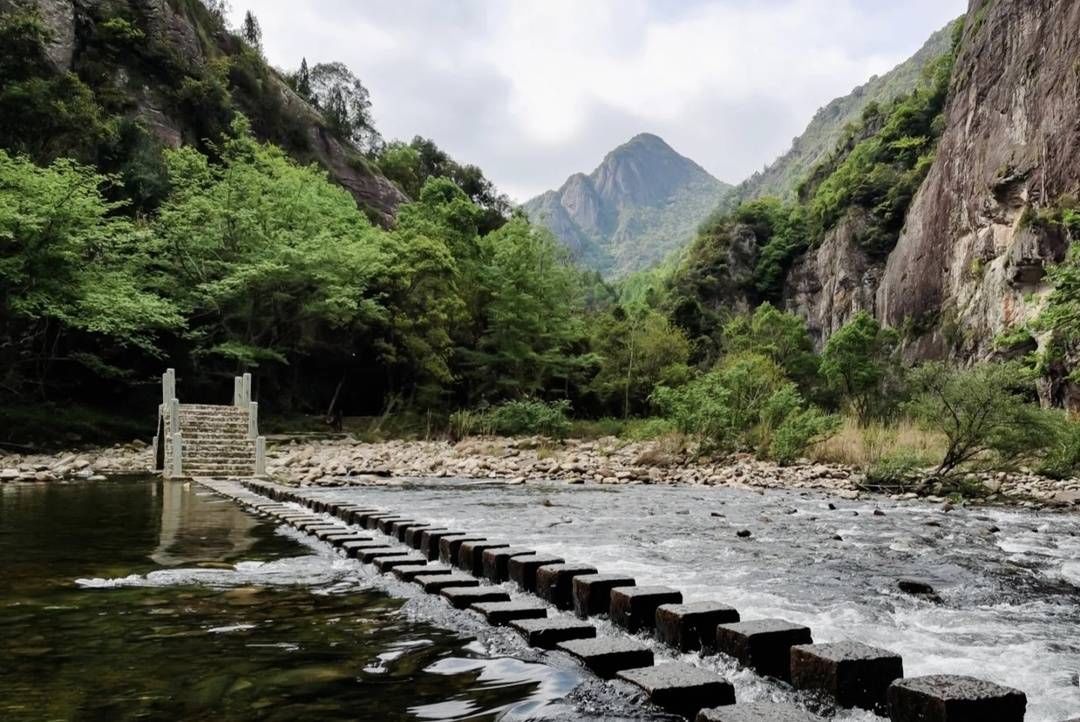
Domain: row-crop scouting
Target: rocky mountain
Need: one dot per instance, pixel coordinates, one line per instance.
(640, 204)
(969, 265)
(826, 128)
(170, 73)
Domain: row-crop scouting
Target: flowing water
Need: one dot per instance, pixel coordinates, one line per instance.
(143, 600)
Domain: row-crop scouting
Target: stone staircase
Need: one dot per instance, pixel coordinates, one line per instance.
(208, 440)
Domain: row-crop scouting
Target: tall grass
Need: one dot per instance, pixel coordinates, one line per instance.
(863, 447)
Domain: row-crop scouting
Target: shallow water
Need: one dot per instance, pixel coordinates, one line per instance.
(143, 600)
(1010, 605)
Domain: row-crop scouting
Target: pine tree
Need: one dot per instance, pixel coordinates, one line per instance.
(303, 80)
(251, 32)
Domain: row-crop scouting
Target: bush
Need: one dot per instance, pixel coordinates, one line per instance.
(529, 416)
(1062, 460)
(746, 404)
(646, 429)
(898, 471)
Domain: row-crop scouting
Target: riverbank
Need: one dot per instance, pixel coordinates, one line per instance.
(343, 461)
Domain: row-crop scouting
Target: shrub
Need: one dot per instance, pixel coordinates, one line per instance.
(646, 429)
(859, 362)
(746, 404)
(1062, 460)
(529, 416)
(986, 415)
(898, 471)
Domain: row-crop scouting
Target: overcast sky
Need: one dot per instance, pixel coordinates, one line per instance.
(534, 90)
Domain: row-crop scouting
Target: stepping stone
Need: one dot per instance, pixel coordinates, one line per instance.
(548, 633)
(592, 592)
(634, 608)
(323, 534)
(361, 518)
(429, 541)
(608, 656)
(465, 597)
(522, 569)
(681, 688)
(374, 520)
(449, 545)
(554, 582)
(954, 698)
(506, 612)
(385, 564)
(764, 645)
(367, 556)
(436, 582)
(471, 555)
(341, 540)
(355, 516)
(496, 562)
(311, 527)
(401, 529)
(412, 534)
(347, 535)
(855, 674)
(353, 549)
(757, 712)
(386, 523)
(409, 572)
(687, 626)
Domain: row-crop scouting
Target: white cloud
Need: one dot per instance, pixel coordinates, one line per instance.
(532, 90)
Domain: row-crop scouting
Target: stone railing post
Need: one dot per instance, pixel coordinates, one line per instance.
(237, 382)
(174, 416)
(260, 456)
(177, 469)
(245, 390)
(253, 420)
(153, 457)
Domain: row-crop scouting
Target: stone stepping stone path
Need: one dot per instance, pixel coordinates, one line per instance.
(850, 673)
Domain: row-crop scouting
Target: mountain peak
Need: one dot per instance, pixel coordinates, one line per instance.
(643, 200)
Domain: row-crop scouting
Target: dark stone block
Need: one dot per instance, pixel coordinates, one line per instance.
(367, 556)
(764, 645)
(449, 545)
(522, 569)
(688, 627)
(634, 608)
(681, 688)
(386, 523)
(464, 597)
(470, 557)
(401, 530)
(429, 542)
(409, 572)
(592, 592)
(855, 674)
(435, 582)
(385, 564)
(757, 712)
(954, 698)
(548, 633)
(324, 534)
(362, 518)
(374, 521)
(555, 582)
(506, 612)
(497, 562)
(397, 529)
(412, 535)
(353, 549)
(608, 656)
(316, 525)
(339, 539)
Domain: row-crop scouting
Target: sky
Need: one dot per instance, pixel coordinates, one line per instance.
(535, 90)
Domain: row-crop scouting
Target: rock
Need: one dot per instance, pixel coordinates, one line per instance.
(505, 612)
(592, 592)
(743, 534)
(919, 588)
(757, 712)
(954, 698)
(497, 561)
(9, 474)
(688, 627)
(522, 569)
(634, 608)
(554, 582)
(609, 655)
(462, 597)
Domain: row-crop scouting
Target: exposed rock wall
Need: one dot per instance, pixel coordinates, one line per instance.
(968, 266)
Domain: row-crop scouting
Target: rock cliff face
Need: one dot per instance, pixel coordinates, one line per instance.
(642, 202)
(968, 265)
(172, 24)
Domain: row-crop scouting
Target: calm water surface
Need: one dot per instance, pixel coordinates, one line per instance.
(143, 600)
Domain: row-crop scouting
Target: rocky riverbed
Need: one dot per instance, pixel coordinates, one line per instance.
(605, 461)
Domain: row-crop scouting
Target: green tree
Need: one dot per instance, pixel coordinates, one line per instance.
(859, 362)
(985, 413)
(75, 284)
(250, 31)
(778, 335)
(345, 104)
(637, 352)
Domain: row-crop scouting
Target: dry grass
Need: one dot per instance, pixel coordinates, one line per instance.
(861, 447)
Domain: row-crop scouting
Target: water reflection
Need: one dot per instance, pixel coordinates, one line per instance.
(188, 609)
